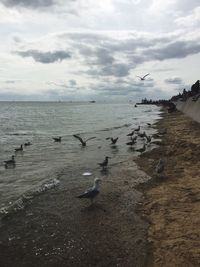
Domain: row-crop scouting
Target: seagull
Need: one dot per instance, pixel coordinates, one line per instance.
(148, 138)
(92, 192)
(132, 142)
(104, 163)
(81, 140)
(131, 134)
(114, 140)
(137, 129)
(143, 78)
(160, 166)
(19, 148)
(142, 135)
(57, 139)
(141, 150)
(10, 162)
(27, 144)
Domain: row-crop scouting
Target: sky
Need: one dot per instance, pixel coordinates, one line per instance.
(80, 50)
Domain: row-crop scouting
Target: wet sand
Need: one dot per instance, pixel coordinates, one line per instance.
(172, 200)
(57, 229)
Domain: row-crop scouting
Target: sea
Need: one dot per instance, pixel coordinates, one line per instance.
(46, 164)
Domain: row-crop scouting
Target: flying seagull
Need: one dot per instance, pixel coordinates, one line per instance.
(83, 143)
(160, 166)
(104, 163)
(92, 192)
(143, 78)
(57, 139)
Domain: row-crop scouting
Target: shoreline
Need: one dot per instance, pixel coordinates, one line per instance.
(137, 220)
(172, 200)
(58, 229)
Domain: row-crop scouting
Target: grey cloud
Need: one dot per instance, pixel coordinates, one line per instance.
(72, 83)
(11, 81)
(45, 57)
(174, 80)
(117, 70)
(28, 3)
(177, 49)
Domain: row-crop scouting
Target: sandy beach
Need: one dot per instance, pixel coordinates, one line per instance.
(172, 200)
(138, 219)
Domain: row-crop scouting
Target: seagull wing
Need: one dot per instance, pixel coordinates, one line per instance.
(79, 138)
(145, 75)
(90, 138)
(90, 193)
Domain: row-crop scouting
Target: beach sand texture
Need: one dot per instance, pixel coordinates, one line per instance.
(172, 200)
(58, 229)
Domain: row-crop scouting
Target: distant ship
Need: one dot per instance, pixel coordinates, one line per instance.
(92, 101)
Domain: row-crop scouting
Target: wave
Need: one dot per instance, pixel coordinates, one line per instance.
(116, 127)
(23, 200)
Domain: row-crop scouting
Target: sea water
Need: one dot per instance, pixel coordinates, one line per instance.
(46, 163)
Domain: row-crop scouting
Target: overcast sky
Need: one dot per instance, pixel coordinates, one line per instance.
(85, 50)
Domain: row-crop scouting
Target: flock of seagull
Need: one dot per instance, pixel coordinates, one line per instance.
(91, 193)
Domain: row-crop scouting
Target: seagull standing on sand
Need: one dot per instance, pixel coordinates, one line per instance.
(83, 143)
(160, 166)
(143, 78)
(91, 193)
(104, 163)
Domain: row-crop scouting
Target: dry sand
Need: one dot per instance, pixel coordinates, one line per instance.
(172, 200)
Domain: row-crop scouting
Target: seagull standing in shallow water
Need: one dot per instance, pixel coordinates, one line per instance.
(10, 162)
(57, 139)
(19, 149)
(92, 192)
(104, 163)
(83, 143)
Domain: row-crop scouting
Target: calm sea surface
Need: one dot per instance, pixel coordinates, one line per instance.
(42, 164)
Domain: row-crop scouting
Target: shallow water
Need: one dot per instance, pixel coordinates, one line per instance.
(46, 163)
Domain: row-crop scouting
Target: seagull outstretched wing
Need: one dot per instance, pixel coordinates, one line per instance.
(90, 138)
(79, 138)
(145, 75)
